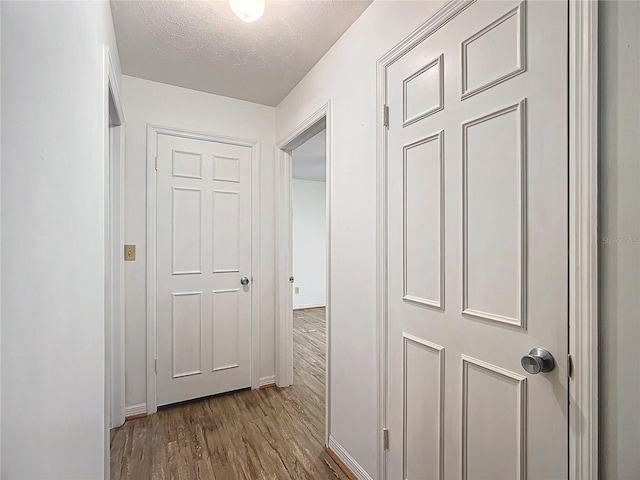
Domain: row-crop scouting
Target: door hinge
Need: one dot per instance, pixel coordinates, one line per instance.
(156, 163)
(569, 366)
(385, 116)
(155, 365)
(385, 438)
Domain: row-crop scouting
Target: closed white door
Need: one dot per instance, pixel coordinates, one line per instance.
(203, 253)
(478, 247)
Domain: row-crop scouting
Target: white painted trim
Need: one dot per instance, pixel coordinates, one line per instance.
(116, 185)
(114, 90)
(113, 346)
(583, 239)
(348, 460)
(304, 307)
(270, 380)
(138, 409)
(120, 349)
(284, 295)
(153, 131)
(284, 269)
(583, 261)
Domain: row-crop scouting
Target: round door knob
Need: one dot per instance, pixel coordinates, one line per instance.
(244, 281)
(538, 360)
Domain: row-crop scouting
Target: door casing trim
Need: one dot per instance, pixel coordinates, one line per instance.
(583, 223)
(153, 131)
(283, 301)
(114, 344)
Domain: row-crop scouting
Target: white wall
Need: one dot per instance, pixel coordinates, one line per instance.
(620, 239)
(309, 242)
(168, 106)
(53, 257)
(347, 76)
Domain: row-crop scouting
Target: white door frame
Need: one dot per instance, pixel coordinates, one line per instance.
(116, 176)
(153, 131)
(114, 309)
(583, 235)
(319, 120)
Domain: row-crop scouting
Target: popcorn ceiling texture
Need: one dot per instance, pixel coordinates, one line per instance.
(204, 46)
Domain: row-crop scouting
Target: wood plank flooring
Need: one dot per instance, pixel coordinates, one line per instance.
(253, 434)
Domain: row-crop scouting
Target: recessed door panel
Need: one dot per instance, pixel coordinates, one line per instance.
(494, 246)
(226, 238)
(225, 329)
(226, 169)
(186, 316)
(187, 231)
(423, 219)
(423, 91)
(423, 418)
(496, 53)
(494, 414)
(187, 164)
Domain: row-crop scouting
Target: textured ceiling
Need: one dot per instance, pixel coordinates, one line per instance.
(202, 45)
(309, 159)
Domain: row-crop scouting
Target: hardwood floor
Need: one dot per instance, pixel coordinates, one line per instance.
(253, 434)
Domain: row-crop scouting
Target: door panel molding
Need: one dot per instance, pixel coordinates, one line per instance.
(520, 47)
(520, 280)
(583, 299)
(153, 132)
(436, 428)
(519, 382)
(417, 182)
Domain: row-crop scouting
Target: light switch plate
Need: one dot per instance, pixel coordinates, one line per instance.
(129, 253)
(297, 289)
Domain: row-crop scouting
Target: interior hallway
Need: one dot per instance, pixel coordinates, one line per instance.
(254, 434)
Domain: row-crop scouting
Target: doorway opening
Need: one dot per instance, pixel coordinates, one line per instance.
(309, 262)
(303, 259)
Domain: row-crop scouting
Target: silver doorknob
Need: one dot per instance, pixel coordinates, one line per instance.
(538, 360)
(244, 281)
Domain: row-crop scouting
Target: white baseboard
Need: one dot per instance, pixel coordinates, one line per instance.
(302, 307)
(132, 410)
(267, 380)
(348, 460)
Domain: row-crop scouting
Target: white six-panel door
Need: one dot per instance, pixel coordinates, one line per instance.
(203, 251)
(478, 246)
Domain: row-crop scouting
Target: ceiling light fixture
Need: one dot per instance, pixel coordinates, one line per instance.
(247, 10)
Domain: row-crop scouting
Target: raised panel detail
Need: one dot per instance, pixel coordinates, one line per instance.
(226, 169)
(423, 409)
(187, 227)
(424, 221)
(186, 339)
(494, 216)
(225, 329)
(494, 422)
(496, 53)
(226, 231)
(423, 92)
(186, 164)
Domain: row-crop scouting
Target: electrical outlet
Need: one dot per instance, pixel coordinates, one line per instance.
(129, 253)
(297, 289)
